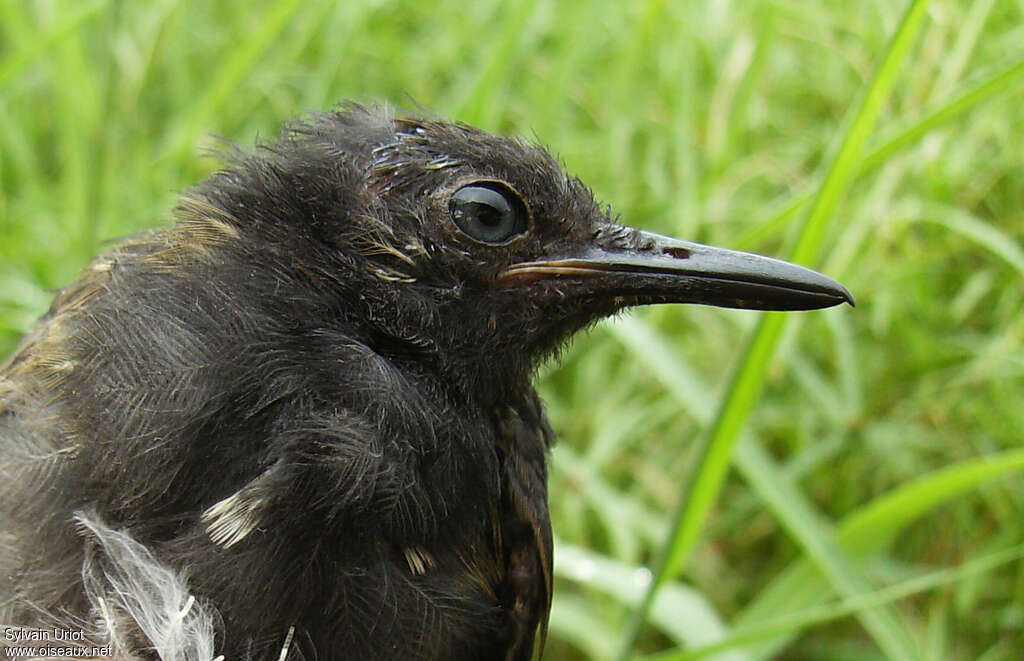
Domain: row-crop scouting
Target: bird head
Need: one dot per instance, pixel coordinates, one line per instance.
(436, 240)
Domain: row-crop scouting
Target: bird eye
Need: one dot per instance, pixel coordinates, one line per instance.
(488, 212)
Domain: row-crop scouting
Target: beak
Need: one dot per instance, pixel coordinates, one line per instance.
(667, 270)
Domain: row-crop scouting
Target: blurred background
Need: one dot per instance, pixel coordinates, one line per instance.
(852, 479)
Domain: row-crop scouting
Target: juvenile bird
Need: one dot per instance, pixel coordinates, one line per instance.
(299, 423)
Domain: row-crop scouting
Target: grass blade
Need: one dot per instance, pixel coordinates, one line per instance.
(865, 531)
(40, 46)
(948, 111)
(227, 78)
(701, 490)
(869, 530)
(945, 113)
(683, 613)
(791, 622)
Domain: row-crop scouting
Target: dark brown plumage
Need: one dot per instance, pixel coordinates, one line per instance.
(307, 405)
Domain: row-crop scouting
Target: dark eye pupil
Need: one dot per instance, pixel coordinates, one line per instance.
(488, 216)
(490, 213)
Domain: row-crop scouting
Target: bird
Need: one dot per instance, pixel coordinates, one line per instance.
(298, 422)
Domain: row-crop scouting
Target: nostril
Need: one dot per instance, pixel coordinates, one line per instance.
(678, 253)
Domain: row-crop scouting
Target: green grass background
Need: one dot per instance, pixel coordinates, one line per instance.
(833, 485)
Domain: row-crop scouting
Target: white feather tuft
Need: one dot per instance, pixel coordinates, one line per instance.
(140, 602)
(232, 519)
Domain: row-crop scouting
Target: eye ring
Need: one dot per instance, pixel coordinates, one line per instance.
(488, 212)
